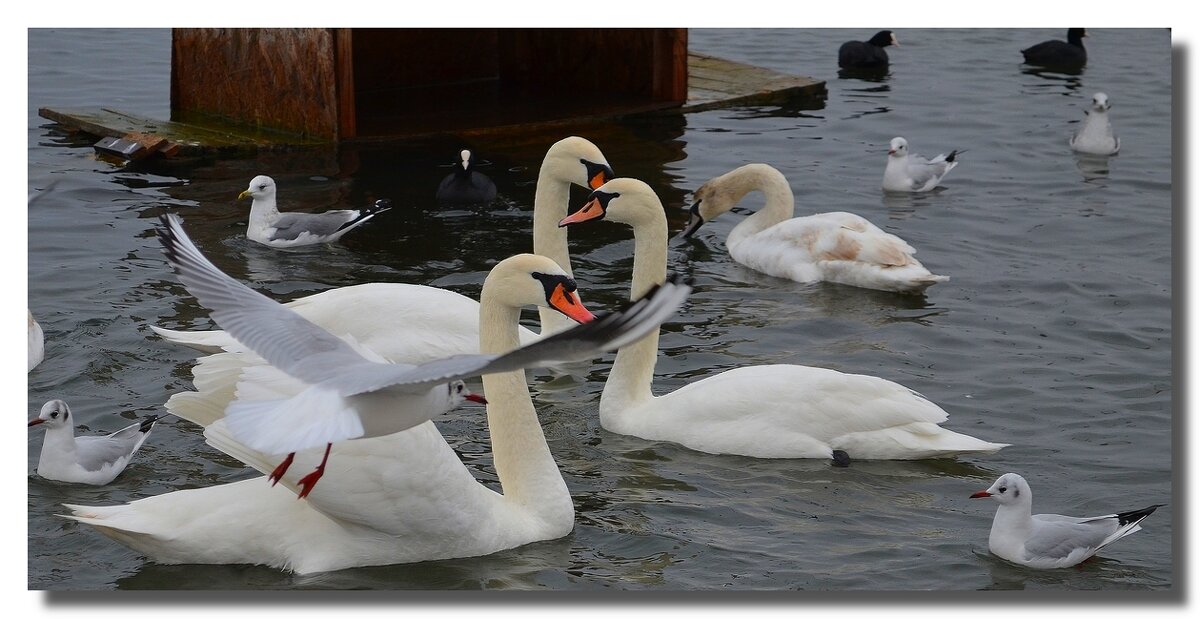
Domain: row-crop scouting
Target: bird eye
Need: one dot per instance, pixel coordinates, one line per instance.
(1002, 489)
(460, 388)
(54, 415)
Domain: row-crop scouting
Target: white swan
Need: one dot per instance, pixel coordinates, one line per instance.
(274, 229)
(833, 247)
(766, 411)
(1096, 137)
(914, 173)
(399, 498)
(37, 342)
(437, 322)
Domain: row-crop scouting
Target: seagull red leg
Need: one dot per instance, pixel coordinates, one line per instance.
(277, 474)
(308, 481)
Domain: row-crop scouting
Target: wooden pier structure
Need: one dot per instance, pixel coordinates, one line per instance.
(271, 87)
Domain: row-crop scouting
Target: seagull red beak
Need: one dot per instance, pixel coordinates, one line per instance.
(35, 421)
(981, 494)
(891, 151)
(476, 398)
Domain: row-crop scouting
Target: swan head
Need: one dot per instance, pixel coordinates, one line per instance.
(260, 187)
(884, 38)
(623, 200)
(55, 414)
(1100, 102)
(722, 193)
(1009, 489)
(576, 160)
(898, 147)
(530, 279)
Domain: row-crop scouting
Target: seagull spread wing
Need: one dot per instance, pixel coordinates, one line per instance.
(277, 334)
(298, 347)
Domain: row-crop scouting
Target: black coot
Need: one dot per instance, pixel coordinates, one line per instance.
(1057, 54)
(866, 54)
(465, 185)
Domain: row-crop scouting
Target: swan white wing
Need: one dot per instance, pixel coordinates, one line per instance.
(279, 335)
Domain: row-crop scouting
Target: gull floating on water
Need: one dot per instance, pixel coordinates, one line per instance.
(270, 227)
(1096, 137)
(914, 173)
(94, 460)
(349, 395)
(1047, 541)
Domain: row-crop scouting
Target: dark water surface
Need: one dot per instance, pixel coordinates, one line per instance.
(1053, 334)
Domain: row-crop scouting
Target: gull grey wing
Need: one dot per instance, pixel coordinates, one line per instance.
(94, 452)
(925, 171)
(290, 226)
(1058, 538)
(277, 334)
(630, 323)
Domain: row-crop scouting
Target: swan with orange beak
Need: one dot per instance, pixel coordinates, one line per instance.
(350, 392)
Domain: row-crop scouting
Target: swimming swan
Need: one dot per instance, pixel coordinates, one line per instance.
(834, 247)
(765, 411)
(399, 498)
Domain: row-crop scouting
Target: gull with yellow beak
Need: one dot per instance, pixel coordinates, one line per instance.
(270, 227)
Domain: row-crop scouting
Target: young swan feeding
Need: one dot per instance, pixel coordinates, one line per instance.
(1047, 541)
(833, 247)
(765, 411)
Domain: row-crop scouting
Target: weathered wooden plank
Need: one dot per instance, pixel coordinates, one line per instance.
(716, 82)
(176, 136)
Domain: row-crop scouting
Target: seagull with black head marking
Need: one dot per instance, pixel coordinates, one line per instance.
(273, 228)
(93, 460)
(1047, 541)
(911, 173)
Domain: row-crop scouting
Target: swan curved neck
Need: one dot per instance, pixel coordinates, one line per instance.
(550, 202)
(632, 373)
(780, 204)
(526, 468)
